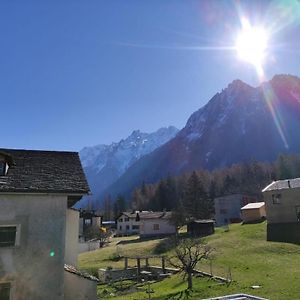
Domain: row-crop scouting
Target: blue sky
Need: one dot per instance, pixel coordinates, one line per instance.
(79, 73)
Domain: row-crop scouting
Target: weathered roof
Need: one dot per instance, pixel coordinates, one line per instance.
(43, 172)
(253, 205)
(148, 215)
(283, 184)
(202, 221)
(75, 271)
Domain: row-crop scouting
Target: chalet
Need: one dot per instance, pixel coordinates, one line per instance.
(39, 228)
(145, 223)
(228, 208)
(253, 212)
(201, 227)
(282, 200)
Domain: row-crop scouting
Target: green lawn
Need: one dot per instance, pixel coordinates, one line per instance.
(275, 267)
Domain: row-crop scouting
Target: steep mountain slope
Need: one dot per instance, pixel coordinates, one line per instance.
(241, 123)
(104, 164)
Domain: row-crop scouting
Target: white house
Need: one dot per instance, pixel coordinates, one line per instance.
(145, 223)
(282, 200)
(38, 228)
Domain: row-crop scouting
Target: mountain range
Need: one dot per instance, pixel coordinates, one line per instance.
(104, 164)
(239, 124)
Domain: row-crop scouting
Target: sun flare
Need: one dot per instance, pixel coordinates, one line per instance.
(251, 45)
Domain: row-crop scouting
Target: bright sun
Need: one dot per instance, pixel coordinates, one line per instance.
(251, 45)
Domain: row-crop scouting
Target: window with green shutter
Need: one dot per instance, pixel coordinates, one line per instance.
(8, 236)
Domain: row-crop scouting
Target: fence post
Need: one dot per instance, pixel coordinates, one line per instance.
(211, 270)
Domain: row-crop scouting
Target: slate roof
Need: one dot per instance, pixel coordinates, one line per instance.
(238, 297)
(283, 184)
(148, 214)
(73, 270)
(38, 171)
(253, 205)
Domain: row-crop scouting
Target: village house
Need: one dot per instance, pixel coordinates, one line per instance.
(87, 220)
(145, 223)
(228, 208)
(282, 200)
(253, 212)
(39, 228)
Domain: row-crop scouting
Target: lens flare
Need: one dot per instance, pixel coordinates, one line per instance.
(251, 45)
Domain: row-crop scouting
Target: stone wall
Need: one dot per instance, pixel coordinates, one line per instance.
(284, 232)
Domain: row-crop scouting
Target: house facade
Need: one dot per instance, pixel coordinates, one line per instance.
(128, 223)
(38, 227)
(282, 199)
(87, 220)
(228, 208)
(145, 223)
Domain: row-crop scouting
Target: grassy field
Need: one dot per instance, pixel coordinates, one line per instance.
(275, 267)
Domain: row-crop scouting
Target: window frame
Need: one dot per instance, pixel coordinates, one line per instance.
(10, 287)
(156, 227)
(276, 199)
(17, 236)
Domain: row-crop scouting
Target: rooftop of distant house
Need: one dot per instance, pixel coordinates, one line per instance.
(283, 185)
(143, 215)
(37, 171)
(254, 205)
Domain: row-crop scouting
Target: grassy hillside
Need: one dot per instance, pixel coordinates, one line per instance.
(275, 267)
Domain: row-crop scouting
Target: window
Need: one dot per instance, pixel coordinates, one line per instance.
(155, 226)
(87, 221)
(5, 291)
(127, 227)
(120, 227)
(126, 219)
(2, 168)
(276, 198)
(135, 227)
(223, 211)
(121, 220)
(8, 236)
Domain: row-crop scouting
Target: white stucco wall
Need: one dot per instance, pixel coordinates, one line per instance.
(33, 272)
(72, 225)
(285, 211)
(165, 227)
(127, 230)
(79, 288)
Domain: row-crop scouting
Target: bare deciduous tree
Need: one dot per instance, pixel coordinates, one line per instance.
(187, 254)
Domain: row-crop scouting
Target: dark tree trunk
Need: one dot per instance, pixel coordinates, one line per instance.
(190, 281)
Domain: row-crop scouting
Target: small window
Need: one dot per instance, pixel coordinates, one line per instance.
(88, 222)
(135, 227)
(155, 226)
(120, 227)
(276, 198)
(5, 291)
(8, 236)
(2, 168)
(121, 220)
(126, 219)
(127, 227)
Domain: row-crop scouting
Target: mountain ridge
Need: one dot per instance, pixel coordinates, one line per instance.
(238, 124)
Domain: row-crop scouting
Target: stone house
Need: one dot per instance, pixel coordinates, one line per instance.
(282, 200)
(228, 208)
(39, 228)
(145, 223)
